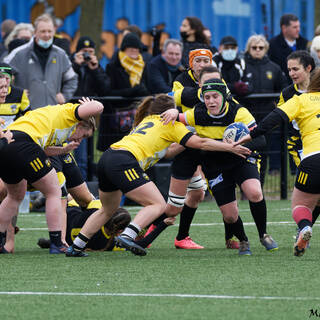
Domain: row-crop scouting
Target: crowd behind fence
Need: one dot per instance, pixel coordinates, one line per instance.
(276, 186)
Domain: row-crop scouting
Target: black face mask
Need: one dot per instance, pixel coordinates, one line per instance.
(183, 35)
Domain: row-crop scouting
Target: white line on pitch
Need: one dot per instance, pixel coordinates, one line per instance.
(26, 215)
(287, 223)
(176, 295)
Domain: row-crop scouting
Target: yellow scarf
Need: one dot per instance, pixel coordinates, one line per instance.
(133, 67)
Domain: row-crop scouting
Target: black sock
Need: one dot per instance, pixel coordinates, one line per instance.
(152, 235)
(227, 230)
(159, 219)
(315, 214)
(238, 230)
(186, 217)
(2, 238)
(303, 223)
(259, 214)
(80, 242)
(55, 238)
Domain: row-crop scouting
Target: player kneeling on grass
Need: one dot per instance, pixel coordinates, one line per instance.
(25, 159)
(121, 169)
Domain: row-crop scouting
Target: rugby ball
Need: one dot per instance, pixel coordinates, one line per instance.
(235, 131)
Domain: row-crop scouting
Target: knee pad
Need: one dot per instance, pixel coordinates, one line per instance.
(197, 183)
(175, 200)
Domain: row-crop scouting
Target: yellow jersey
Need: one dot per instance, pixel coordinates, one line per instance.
(209, 126)
(48, 126)
(305, 110)
(15, 105)
(149, 141)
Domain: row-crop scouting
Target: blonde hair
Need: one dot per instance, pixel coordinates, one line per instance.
(256, 38)
(90, 123)
(43, 18)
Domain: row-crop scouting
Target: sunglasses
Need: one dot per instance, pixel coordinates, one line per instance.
(257, 47)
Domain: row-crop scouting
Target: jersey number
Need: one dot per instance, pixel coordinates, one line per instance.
(141, 128)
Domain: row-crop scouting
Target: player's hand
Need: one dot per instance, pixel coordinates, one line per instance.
(243, 140)
(169, 115)
(71, 146)
(84, 100)
(240, 151)
(8, 135)
(169, 221)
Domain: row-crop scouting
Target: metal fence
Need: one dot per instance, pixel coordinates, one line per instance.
(277, 185)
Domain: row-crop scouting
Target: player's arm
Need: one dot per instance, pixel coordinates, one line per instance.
(193, 141)
(56, 150)
(173, 150)
(273, 119)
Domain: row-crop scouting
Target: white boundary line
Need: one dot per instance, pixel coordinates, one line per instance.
(280, 223)
(133, 209)
(176, 295)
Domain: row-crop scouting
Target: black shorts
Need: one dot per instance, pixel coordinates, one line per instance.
(308, 176)
(185, 164)
(23, 159)
(67, 165)
(223, 185)
(119, 170)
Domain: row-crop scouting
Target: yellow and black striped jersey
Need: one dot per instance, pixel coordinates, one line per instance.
(209, 126)
(49, 126)
(287, 93)
(149, 141)
(77, 217)
(294, 142)
(16, 104)
(305, 110)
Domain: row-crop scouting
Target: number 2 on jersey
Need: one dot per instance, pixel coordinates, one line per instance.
(141, 128)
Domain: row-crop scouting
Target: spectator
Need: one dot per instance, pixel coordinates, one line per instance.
(132, 28)
(193, 37)
(15, 43)
(264, 76)
(315, 50)
(22, 31)
(92, 81)
(42, 68)
(287, 41)
(231, 66)
(162, 70)
(6, 27)
(126, 75)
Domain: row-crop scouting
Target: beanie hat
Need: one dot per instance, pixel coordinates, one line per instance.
(216, 85)
(228, 40)
(197, 53)
(85, 42)
(130, 40)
